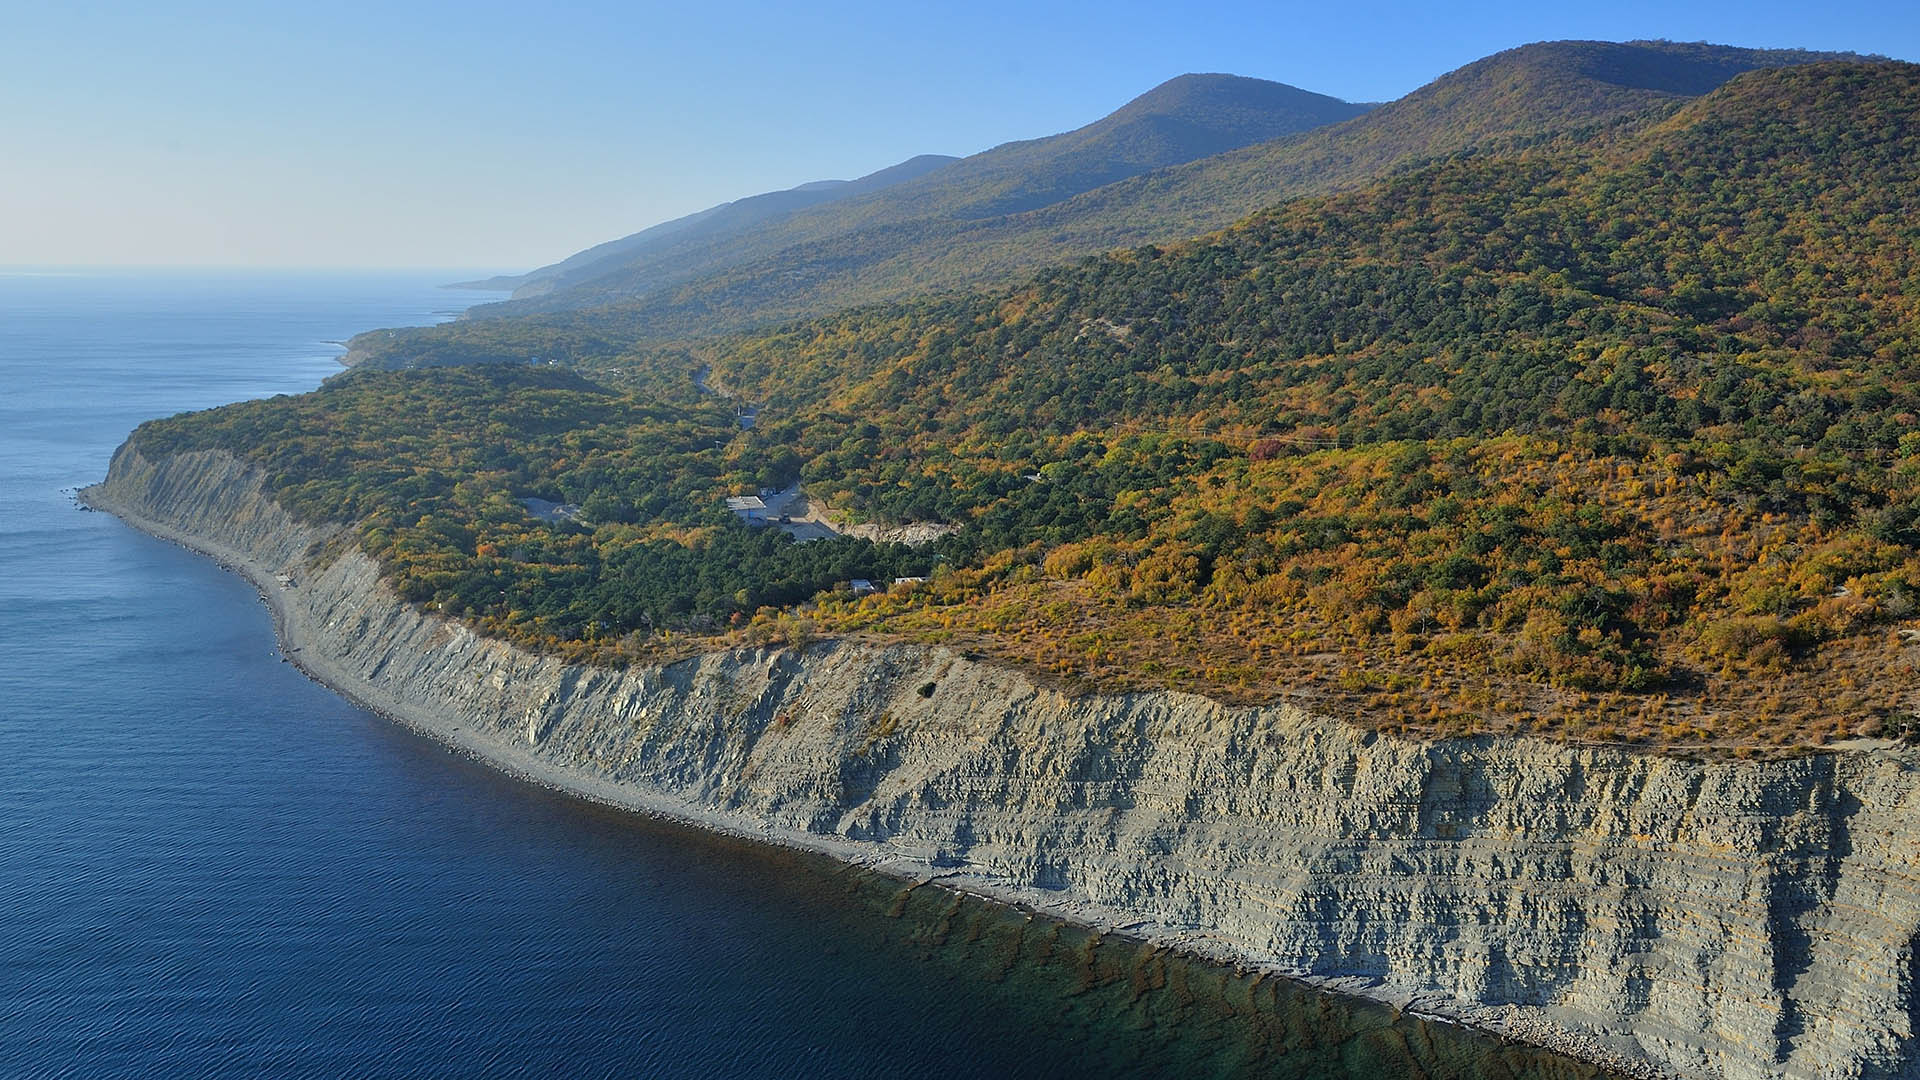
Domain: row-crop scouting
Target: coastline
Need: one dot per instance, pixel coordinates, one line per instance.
(914, 869)
(287, 627)
(1645, 914)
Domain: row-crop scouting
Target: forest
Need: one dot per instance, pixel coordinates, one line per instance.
(953, 229)
(1608, 436)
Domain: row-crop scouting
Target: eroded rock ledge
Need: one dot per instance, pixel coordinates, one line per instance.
(1726, 920)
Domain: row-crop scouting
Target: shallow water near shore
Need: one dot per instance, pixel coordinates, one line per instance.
(214, 867)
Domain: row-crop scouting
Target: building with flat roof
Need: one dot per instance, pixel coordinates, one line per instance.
(751, 508)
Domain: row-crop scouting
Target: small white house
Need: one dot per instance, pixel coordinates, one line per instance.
(751, 508)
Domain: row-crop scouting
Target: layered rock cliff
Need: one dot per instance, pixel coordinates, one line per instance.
(1728, 920)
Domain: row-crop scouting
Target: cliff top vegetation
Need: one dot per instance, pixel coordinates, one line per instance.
(1604, 436)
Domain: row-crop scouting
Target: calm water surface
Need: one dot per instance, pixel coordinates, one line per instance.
(211, 867)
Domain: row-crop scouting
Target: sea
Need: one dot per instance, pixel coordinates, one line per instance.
(213, 867)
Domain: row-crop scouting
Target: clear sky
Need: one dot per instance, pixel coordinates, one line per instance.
(504, 136)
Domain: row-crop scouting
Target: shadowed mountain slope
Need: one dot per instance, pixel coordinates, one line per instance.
(715, 221)
(1185, 118)
(1530, 92)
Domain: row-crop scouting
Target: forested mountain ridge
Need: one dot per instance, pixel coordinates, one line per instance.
(1608, 436)
(1548, 88)
(1731, 214)
(1528, 92)
(712, 223)
(1184, 118)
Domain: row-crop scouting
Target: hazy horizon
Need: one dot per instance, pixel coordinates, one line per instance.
(486, 139)
(94, 269)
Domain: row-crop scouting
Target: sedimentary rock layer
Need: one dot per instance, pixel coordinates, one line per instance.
(1728, 919)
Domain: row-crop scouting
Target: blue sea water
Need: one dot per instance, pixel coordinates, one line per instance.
(212, 867)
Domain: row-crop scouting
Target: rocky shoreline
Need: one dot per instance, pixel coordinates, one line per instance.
(1654, 916)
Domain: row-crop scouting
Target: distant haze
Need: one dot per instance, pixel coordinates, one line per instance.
(506, 136)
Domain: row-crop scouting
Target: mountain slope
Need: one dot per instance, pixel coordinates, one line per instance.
(1746, 215)
(1188, 117)
(1527, 92)
(1524, 93)
(715, 221)
(1608, 436)
(1185, 118)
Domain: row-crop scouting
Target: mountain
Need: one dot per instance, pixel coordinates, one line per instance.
(1737, 268)
(715, 221)
(1527, 92)
(839, 258)
(1185, 118)
(1607, 435)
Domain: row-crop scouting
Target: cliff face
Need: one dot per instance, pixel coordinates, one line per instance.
(1730, 920)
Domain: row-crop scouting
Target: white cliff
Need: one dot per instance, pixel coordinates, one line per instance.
(1726, 919)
